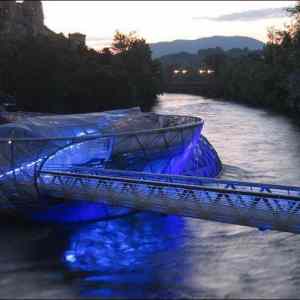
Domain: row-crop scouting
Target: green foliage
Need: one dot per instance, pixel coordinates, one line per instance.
(46, 74)
(295, 11)
(272, 79)
(269, 78)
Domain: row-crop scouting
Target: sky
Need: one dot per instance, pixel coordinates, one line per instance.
(165, 20)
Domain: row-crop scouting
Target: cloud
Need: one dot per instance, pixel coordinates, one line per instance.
(99, 42)
(250, 15)
(99, 39)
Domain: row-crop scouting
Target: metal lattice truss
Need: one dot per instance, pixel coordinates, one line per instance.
(263, 206)
(159, 149)
(89, 167)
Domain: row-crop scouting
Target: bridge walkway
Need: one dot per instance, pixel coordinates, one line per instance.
(258, 205)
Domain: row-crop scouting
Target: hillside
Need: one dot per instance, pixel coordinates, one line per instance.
(188, 60)
(192, 46)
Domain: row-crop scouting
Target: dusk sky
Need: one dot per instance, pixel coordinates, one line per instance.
(165, 20)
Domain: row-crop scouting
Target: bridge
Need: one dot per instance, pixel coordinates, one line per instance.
(252, 204)
(133, 169)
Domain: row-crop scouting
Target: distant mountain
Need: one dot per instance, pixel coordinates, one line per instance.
(188, 60)
(192, 46)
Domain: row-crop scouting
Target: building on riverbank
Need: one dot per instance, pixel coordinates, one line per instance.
(21, 18)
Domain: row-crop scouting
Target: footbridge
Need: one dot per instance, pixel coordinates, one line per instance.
(252, 204)
(130, 160)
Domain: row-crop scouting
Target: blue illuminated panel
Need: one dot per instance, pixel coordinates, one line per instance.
(159, 144)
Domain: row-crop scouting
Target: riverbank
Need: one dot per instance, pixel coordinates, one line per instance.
(269, 78)
(292, 110)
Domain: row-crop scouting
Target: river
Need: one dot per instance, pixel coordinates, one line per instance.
(152, 256)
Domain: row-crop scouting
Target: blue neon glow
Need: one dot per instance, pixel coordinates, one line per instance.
(70, 258)
(124, 252)
(124, 243)
(179, 157)
(171, 145)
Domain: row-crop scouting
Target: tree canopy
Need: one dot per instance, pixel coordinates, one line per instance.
(269, 78)
(46, 74)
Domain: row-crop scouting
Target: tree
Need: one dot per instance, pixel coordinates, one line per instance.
(123, 42)
(47, 75)
(215, 60)
(144, 74)
(295, 11)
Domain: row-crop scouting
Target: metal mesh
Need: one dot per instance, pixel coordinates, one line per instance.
(263, 206)
(101, 158)
(99, 140)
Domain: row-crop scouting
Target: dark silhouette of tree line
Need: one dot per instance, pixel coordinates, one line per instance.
(198, 73)
(268, 77)
(46, 74)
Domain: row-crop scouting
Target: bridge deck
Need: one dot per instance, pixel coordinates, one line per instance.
(252, 204)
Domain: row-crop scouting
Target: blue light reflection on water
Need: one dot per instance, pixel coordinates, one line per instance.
(125, 252)
(76, 211)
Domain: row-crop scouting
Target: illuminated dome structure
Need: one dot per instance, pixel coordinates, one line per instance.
(120, 140)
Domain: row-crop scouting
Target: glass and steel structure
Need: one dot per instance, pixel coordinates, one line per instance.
(70, 168)
(88, 143)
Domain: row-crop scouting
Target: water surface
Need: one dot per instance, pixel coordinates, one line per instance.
(153, 256)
